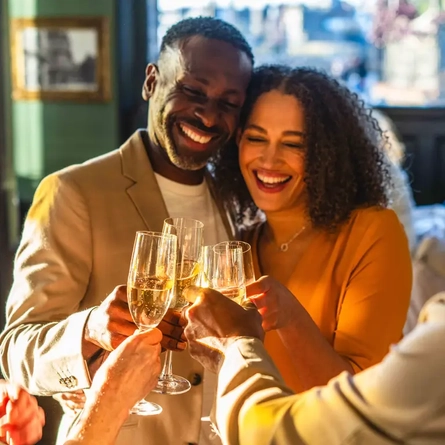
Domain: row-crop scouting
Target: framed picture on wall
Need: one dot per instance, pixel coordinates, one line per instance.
(61, 58)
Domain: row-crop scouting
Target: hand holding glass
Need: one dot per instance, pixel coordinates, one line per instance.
(150, 288)
(189, 236)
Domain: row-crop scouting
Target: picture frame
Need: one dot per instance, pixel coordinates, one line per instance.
(61, 59)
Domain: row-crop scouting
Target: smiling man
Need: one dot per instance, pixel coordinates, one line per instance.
(68, 302)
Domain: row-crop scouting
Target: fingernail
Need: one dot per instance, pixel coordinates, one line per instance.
(182, 345)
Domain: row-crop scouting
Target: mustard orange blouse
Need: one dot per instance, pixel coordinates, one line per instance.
(356, 286)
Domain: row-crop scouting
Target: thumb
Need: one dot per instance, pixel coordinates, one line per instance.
(258, 287)
(152, 337)
(192, 293)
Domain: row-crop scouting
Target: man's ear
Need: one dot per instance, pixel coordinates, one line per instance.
(151, 79)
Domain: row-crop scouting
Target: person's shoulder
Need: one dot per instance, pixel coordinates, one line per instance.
(375, 217)
(92, 167)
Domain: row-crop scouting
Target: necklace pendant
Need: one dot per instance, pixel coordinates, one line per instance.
(284, 247)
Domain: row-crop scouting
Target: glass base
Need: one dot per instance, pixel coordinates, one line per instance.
(144, 408)
(173, 385)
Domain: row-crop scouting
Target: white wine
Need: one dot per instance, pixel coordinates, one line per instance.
(237, 294)
(190, 271)
(149, 299)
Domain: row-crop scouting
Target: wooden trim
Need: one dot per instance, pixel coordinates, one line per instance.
(103, 63)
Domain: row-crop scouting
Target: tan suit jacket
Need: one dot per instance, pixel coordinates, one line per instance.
(398, 401)
(75, 248)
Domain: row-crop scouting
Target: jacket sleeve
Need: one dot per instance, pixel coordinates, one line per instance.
(389, 403)
(41, 346)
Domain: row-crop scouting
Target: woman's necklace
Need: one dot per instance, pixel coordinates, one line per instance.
(285, 246)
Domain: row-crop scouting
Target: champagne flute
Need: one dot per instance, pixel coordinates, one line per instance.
(228, 271)
(189, 236)
(150, 288)
(207, 262)
(249, 272)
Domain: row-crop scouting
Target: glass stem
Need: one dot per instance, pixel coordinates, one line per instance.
(167, 368)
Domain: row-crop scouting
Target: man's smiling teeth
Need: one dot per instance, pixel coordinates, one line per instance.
(272, 179)
(194, 136)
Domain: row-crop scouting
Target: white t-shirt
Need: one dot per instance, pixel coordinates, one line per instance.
(196, 202)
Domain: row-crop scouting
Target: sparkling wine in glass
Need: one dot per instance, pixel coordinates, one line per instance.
(228, 271)
(150, 288)
(189, 234)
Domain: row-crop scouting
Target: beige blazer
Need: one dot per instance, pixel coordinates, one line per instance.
(76, 247)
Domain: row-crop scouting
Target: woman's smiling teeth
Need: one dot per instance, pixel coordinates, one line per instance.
(195, 137)
(272, 180)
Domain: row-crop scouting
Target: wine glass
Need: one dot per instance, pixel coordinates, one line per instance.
(249, 272)
(228, 271)
(206, 272)
(189, 236)
(150, 288)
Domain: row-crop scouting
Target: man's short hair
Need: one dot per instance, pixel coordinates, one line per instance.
(208, 27)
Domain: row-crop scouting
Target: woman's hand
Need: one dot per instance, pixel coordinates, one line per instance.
(276, 303)
(21, 419)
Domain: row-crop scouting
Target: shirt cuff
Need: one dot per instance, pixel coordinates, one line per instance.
(64, 362)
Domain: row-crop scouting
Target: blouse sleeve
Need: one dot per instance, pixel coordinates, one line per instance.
(374, 307)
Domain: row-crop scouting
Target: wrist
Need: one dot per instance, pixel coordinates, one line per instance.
(89, 348)
(294, 313)
(229, 341)
(94, 422)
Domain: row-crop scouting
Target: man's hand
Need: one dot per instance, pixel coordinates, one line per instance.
(172, 330)
(129, 373)
(21, 419)
(213, 322)
(111, 323)
(274, 301)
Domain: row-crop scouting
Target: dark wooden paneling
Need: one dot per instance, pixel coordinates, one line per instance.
(5, 250)
(423, 132)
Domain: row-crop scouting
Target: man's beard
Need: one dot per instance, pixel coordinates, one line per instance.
(183, 162)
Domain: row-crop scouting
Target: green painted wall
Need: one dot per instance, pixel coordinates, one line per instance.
(48, 135)
(11, 184)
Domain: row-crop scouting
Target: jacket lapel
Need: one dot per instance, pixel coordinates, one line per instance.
(144, 192)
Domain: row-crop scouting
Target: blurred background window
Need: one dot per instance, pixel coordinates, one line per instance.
(391, 52)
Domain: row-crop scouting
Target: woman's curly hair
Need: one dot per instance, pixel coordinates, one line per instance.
(345, 164)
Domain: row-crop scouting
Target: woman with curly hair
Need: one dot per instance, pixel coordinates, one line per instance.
(309, 159)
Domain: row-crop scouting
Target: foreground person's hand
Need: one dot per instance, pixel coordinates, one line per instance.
(71, 402)
(127, 375)
(130, 372)
(21, 419)
(214, 322)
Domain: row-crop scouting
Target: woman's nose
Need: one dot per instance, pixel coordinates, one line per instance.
(270, 155)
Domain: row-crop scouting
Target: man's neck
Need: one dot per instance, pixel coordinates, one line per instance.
(162, 165)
